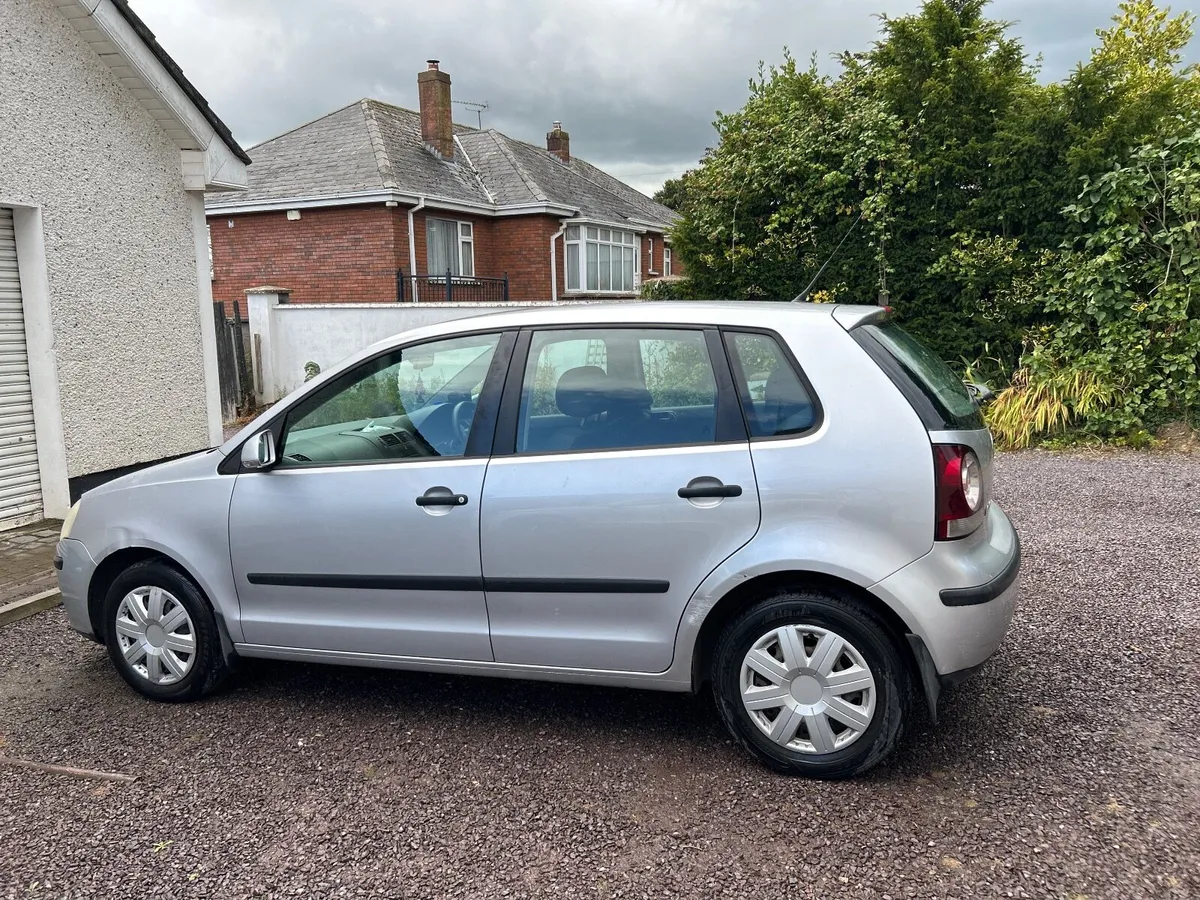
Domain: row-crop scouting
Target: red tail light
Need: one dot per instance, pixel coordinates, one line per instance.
(958, 489)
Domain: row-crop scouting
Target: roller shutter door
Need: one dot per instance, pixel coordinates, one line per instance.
(20, 483)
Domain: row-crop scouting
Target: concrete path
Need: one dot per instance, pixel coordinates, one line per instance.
(28, 581)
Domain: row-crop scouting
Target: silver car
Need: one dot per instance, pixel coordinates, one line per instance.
(790, 503)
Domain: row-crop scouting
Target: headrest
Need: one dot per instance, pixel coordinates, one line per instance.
(627, 397)
(581, 392)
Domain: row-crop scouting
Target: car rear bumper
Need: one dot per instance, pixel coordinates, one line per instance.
(74, 575)
(959, 598)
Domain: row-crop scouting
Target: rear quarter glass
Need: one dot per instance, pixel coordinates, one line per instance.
(935, 391)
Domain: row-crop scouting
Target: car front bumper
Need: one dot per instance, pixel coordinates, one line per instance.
(959, 598)
(75, 567)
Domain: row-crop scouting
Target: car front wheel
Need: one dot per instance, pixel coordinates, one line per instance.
(811, 683)
(162, 635)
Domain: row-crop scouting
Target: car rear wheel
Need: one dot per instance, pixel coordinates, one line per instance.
(161, 634)
(812, 683)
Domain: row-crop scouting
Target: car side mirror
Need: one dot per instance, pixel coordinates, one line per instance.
(980, 393)
(259, 451)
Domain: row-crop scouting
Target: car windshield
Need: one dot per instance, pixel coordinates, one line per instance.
(424, 380)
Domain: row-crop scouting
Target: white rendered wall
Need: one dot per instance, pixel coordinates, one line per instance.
(119, 269)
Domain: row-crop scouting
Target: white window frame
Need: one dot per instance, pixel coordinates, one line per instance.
(464, 231)
(578, 236)
(666, 260)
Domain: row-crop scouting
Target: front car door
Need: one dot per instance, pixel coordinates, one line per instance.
(364, 538)
(622, 478)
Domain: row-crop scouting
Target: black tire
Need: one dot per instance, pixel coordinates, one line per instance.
(208, 668)
(855, 622)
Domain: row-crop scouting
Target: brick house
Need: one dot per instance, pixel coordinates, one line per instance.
(375, 203)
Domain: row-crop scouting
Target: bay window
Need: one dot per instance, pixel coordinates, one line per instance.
(603, 260)
(450, 246)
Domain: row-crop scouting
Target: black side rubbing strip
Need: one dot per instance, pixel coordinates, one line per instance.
(984, 593)
(576, 586)
(370, 582)
(454, 583)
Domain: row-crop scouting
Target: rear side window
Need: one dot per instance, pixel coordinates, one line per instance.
(617, 389)
(775, 399)
(938, 395)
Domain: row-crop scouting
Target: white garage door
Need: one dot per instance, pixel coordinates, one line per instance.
(20, 484)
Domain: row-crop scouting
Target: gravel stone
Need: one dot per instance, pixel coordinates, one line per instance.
(1066, 768)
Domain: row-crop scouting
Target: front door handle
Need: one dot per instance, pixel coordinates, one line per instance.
(710, 491)
(441, 497)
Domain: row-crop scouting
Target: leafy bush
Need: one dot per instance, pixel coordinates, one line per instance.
(675, 287)
(1046, 403)
(1126, 316)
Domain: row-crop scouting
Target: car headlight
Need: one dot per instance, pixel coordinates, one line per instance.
(69, 521)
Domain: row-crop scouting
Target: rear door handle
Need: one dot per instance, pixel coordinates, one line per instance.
(429, 498)
(709, 491)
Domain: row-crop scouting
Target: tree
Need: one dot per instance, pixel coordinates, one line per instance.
(1019, 227)
(673, 193)
(795, 167)
(1131, 88)
(902, 137)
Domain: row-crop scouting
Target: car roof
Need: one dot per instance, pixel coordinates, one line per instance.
(753, 314)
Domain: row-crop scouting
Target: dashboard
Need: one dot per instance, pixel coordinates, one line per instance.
(430, 432)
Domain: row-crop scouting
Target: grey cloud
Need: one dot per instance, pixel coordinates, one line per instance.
(636, 82)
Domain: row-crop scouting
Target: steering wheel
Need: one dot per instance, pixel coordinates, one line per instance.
(461, 417)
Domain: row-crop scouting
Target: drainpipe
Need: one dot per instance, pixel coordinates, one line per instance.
(554, 263)
(412, 248)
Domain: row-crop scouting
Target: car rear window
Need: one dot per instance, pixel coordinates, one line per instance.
(936, 392)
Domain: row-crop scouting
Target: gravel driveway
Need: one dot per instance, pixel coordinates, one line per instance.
(1068, 768)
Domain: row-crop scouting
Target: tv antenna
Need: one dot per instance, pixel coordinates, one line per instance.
(478, 107)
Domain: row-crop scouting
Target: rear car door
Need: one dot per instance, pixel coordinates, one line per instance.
(365, 537)
(621, 478)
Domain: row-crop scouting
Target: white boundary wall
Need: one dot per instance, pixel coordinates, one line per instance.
(284, 337)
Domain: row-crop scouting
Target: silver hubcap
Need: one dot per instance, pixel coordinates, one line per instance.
(155, 635)
(808, 689)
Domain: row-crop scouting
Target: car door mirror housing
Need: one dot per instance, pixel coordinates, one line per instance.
(980, 393)
(259, 451)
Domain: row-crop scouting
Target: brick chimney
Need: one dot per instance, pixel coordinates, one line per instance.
(437, 124)
(558, 142)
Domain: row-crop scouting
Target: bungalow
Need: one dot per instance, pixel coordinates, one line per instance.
(375, 203)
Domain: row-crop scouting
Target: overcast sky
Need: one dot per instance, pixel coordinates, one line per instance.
(635, 82)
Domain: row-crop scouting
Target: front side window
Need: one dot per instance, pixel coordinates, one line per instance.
(601, 260)
(612, 389)
(414, 403)
(774, 398)
(450, 247)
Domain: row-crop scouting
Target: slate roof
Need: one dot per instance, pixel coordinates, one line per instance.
(370, 146)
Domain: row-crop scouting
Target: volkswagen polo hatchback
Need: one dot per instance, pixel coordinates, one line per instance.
(790, 503)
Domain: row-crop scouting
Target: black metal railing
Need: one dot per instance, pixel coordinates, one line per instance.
(450, 288)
